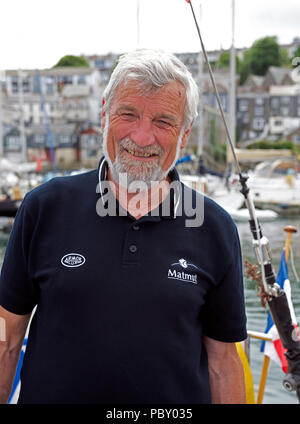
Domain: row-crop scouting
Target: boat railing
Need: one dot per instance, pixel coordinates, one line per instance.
(266, 362)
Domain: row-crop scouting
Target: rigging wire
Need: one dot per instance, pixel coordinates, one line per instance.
(245, 190)
(293, 265)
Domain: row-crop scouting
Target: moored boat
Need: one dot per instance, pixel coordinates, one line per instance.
(275, 185)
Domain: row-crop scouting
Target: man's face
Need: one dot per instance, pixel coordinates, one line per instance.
(143, 134)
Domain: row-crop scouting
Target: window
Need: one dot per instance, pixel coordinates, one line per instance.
(285, 100)
(67, 80)
(259, 101)
(82, 79)
(89, 141)
(258, 124)
(278, 123)
(284, 111)
(275, 102)
(26, 86)
(49, 88)
(13, 143)
(243, 105)
(39, 139)
(64, 139)
(259, 111)
(245, 118)
(99, 63)
(298, 111)
(296, 138)
(14, 87)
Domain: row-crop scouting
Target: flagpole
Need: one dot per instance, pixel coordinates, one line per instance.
(290, 230)
(263, 379)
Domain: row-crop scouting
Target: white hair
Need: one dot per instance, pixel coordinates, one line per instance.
(153, 69)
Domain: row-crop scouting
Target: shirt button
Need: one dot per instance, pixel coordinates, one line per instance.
(135, 227)
(133, 248)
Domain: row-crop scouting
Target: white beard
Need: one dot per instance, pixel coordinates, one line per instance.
(136, 170)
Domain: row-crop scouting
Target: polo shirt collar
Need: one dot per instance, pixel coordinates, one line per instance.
(175, 194)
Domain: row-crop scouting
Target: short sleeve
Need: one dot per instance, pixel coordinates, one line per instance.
(17, 292)
(224, 315)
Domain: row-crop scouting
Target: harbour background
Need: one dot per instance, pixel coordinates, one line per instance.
(256, 314)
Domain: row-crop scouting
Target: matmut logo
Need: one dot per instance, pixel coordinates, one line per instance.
(183, 275)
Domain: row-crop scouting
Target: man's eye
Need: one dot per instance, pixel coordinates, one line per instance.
(162, 123)
(128, 115)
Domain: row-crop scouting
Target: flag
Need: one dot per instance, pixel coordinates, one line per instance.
(274, 349)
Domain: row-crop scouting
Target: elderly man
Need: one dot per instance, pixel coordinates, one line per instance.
(133, 304)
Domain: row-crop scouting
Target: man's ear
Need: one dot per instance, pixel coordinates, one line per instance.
(103, 115)
(186, 135)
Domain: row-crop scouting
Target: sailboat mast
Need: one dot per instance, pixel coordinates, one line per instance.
(138, 23)
(232, 94)
(21, 117)
(1, 118)
(200, 84)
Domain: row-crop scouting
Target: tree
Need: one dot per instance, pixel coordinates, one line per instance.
(70, 60)
(224, 61)
(264, 53)
(296, 54)
(245, 66)
(285, 59)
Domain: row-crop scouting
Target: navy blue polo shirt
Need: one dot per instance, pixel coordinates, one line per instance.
(122, 304)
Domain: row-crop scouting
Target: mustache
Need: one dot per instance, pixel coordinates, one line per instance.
(153, 149)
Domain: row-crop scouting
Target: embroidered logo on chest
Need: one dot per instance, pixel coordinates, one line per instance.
(185, 275)
(72, 260)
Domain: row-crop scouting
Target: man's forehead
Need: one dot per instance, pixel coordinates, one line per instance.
(172, 94)
(139, 88)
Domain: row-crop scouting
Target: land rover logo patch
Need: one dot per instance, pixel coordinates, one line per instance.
(72, 260)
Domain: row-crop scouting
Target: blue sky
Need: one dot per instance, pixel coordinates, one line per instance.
(36, 33)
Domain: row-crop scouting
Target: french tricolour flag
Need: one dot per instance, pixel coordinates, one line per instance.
(275, 349)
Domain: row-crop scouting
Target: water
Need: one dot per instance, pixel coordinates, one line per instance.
(256, 315)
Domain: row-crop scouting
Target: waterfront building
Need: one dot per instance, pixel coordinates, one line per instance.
(72, 94)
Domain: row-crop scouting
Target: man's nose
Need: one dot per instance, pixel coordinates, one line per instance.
(143, 135)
